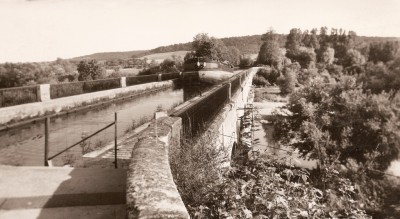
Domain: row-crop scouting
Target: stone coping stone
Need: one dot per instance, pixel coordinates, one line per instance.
(151, 191)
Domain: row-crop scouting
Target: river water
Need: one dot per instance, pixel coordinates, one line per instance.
(24, 146)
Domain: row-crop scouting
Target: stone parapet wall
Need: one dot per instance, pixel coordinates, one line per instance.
(151, 191)
(38, 109)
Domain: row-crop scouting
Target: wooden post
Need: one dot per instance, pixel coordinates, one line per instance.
(115, 141)
(46, 141)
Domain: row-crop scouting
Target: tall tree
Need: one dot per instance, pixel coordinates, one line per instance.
(209, 47)
(270, 53)
(293, 41)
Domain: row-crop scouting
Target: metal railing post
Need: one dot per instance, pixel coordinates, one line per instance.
(46, 141)
(115, 141)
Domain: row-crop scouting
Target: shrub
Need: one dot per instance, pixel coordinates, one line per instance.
(270, 74)
(273, 190)
(260, 81)
(197, 167)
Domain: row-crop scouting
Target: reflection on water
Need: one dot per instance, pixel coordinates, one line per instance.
(25, 145)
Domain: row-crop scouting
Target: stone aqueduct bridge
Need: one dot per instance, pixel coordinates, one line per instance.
(150, 188)
(151, 191)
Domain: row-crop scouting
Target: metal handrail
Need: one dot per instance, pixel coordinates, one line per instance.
(46, 142)
(84, 139)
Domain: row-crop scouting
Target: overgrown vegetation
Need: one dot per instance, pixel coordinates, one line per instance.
(343, 109)
(256, 188)
(196, 167)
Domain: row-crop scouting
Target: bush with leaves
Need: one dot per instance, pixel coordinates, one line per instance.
(262, 189)
(339, 120)
(270, 74)
(341, 126)
(197, 166)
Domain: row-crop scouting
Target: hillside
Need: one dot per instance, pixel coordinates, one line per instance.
(245, 44)
(112, 55)
(159, 57)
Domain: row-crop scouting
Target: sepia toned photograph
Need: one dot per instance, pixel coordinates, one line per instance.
(202, 109)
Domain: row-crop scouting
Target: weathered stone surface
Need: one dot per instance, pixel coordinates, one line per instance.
(151, 191)
(225, 124)
(44, 92)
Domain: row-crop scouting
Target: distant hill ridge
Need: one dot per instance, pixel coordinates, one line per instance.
(245, 44)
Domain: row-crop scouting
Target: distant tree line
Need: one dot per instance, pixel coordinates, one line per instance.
(23, 74)
(169, 65)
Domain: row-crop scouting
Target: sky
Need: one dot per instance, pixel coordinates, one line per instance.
(42, 30)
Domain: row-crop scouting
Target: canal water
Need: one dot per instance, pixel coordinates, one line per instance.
(24, 146)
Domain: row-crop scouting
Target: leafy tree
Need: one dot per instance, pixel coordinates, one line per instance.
(328, 56)
(383, 51)
(169, 66)
(353, 57)
(233, 55)
(293, 41)
(246, 61)
(270, 74)
(313, 42)
(380, 77)
(90, 70)
(341, 123)
(270, 53)
(209, 47)
(287, 81)
(306, 57)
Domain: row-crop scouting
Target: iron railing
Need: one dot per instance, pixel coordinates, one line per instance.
(169, 76)
(66, 89)
(141, 79)
(103, 84)
(48, 158)
(18, 95)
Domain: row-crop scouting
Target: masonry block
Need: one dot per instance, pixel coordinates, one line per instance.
(44, 92)
(123, 81)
